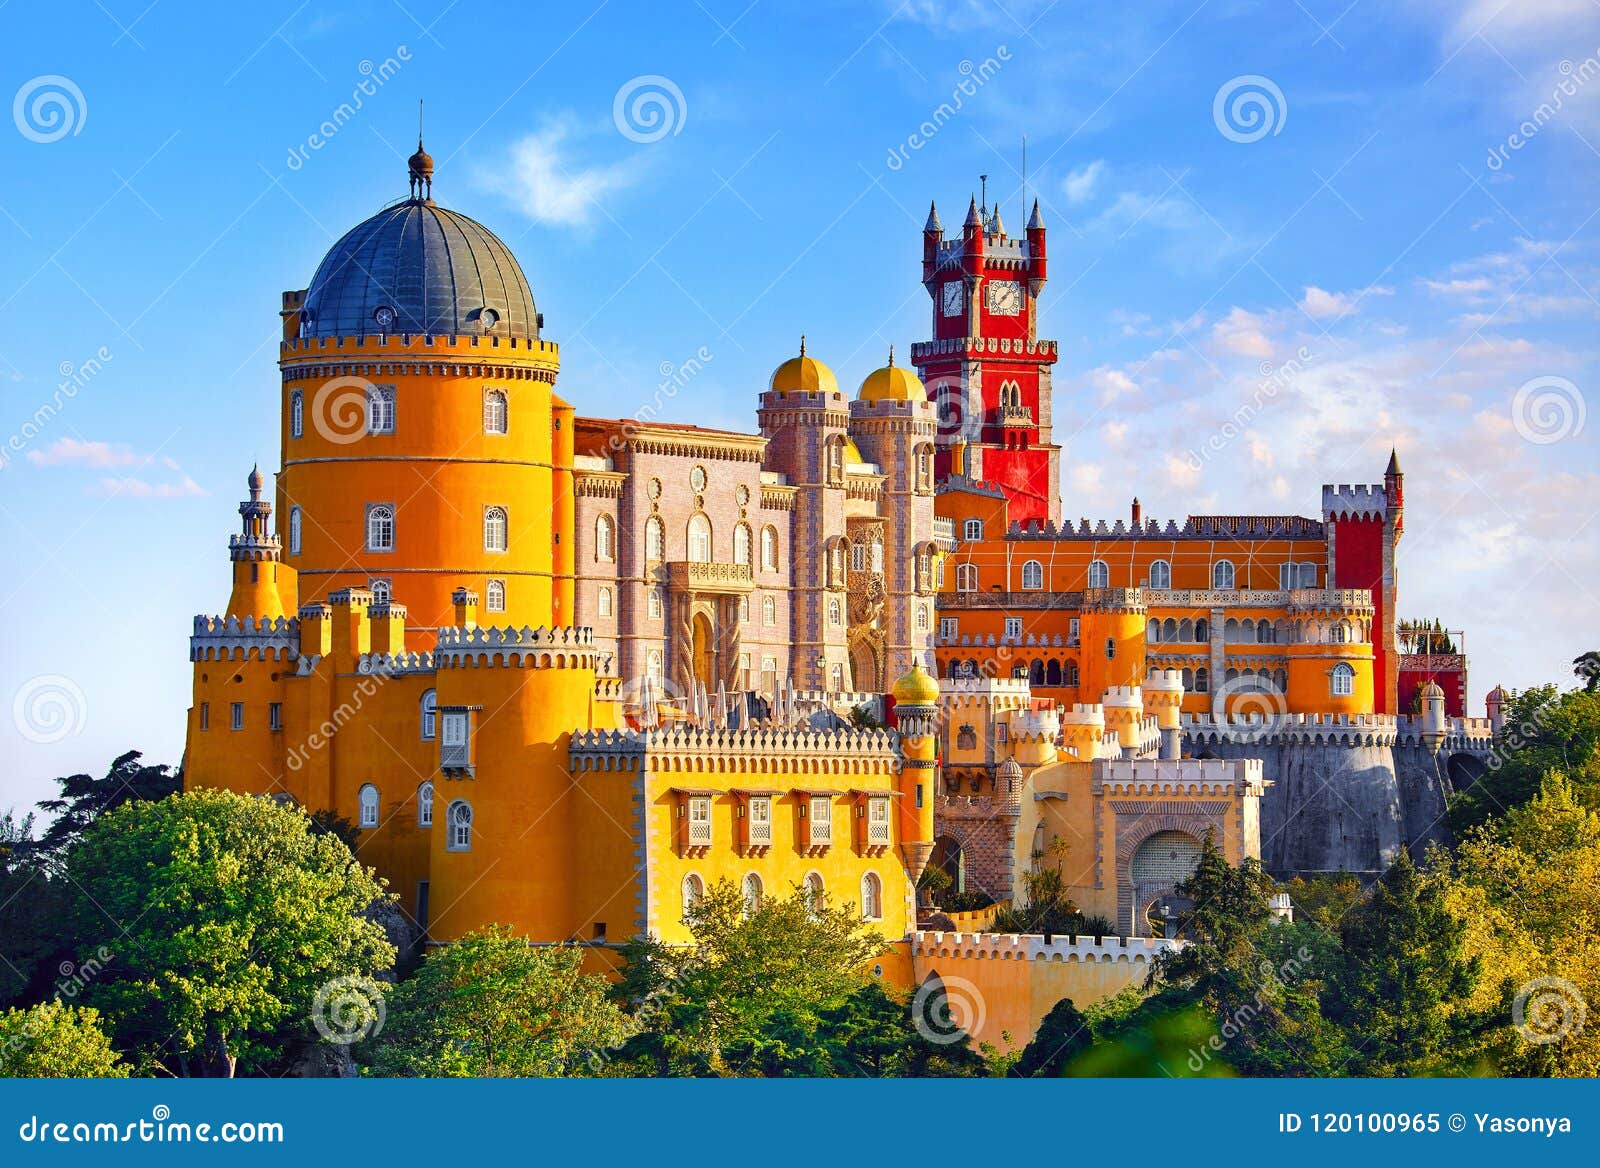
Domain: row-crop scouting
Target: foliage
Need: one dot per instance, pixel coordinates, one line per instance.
(31, 901)
(1544, 730)
(53, 1041)
(1587, 668)
(1528, 888)
(223, 916)
(1045, 905)
(966, 900)
(491, 1005)
(1405, 968)
(327, 823)
(1323, 899)
(1062, 1036)
(85, 799)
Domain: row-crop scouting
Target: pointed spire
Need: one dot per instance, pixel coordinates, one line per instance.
(891, 356)
(1394, 462)
(995, 226)
(1034, 222)
(419, 166)
(802, 344)
(972, 214)
(933, 223)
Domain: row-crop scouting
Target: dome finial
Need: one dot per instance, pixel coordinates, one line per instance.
(419, 166)
(802, 344)
(891, 356)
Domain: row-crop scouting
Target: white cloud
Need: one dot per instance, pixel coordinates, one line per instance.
(137, 488)
(1243, 333)
(1319, 304)
(1112, 383)
(1079, 184)
(98, 455)
(545, 181)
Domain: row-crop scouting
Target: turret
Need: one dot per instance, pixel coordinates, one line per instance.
(1496, 703)
(1434, 722)
(932, 235)
(1082, 729)
(256, 554)
(465, 603)
(1124, 707)
(1163, 700)
(1394, 485)
(1037, 263)
(916, 711)
(972, 240)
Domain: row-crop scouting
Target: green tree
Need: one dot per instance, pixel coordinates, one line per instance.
(84, 799)
(31, 903)
(224, 916)
(1587, 667)
(1404, 969)
(52, 1041)
(1544, 730)
(751, 992)
(491, 1005)
(1062, 1036)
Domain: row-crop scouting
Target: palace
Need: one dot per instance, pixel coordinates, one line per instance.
(564, 672)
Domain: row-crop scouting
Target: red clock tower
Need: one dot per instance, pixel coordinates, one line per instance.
(985, 368)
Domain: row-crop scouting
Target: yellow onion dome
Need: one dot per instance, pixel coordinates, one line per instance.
(803, 374)
(892, 383)
(916, 688)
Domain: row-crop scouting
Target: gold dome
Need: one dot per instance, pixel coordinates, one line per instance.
(916, 688)
(852, 452)
(892, 383)
(803, 374)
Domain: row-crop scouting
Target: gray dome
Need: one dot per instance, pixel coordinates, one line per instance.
(418, 268)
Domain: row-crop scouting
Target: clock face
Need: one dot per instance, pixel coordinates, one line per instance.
(954, 298)
(1005, 298)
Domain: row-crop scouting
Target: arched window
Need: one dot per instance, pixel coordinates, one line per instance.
(494, 596)
(1344, 680)
(1160, 574)
(294, 531)
(836, 678)
(1202, 631)
(430, 714)
(494, 529)
(858, 556)
(1033, 575)
(816, 893)
(369, 806)
(924, 469)
(605, 602)
(655, 539)
(769, 549)
(496, 414)
(966, 577)
(653, 605)
(1111, 648)
(652, 665)
(836, 564)
(699, 538)
(382, 593)
(380, 528)
(693, 889)
(1052, 673)
(769, 611)
(605, 539)
(835, 612)
(752, 893)
(425, 805)
(1202, 680)
(871, 897)
(1338, 633)
(1069, 675)
(1222, 574)
(923, 621)
(380, 409)
(297, 414)
(972, 529)
(459, 821)
(836, 461)
(1099, 574)
(741, 545)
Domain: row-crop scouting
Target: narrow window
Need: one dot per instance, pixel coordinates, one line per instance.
(459, 817)
(380, 528)
(972, 529)
(693, 889)
(605, 543)
(274, 715)
(949, 628)
(205, 715)
(496, 414)
(1032, 575)
(494, 529)
(425, 805)
(1344, 680)
(871, 897)
(1099, 574)
(752, 893)
(1161, 574)
(294, 531)
(605, 602)
(494, 596)
(297, 413)
(741, 545)
(236, 721)
(380, 409)
(655, 539)
(699, 534)
(1222, 575)
(769, 549)
(430, 715)
(369, 806)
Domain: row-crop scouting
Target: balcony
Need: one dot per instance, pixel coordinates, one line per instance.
(878, 833)
(1048, 600)
(690, 576)
(944, 534)
(700, 833)
(760, 833)
(819, 833)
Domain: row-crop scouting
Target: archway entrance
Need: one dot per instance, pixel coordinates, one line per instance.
(1160, 863)
(705, 652)
(864, 669)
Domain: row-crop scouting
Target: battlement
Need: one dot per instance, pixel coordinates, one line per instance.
(1037, 724)
(1343, 729)
(418, 344)
(1164, 681)
(1196, 527)
(951, 687)
(394, 664)
(1122, 697)
(219, 638)
(1187, 776)
(560, 647)
(924, 351)
(745, 752)
(1469, 735)
(1084, 714)
(1347, 501)
(1035, 947)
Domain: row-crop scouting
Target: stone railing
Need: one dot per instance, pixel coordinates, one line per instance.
(691, 576)
(1047, 600)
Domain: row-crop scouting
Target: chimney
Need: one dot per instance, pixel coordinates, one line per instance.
(1138, 514)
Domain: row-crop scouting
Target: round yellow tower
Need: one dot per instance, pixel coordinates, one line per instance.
(1112, 630)
(916, 709)
(423, 446)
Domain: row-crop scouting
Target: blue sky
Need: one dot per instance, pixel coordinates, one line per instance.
(1399, 249)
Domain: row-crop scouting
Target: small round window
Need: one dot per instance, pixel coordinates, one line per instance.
(487, 319)
(742, 494)
(697, 478)
(383, 317)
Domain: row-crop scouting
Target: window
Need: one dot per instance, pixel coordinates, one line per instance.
(494, 596)
(369, 806)
(858, 557)
(236, 716)
(922, 618)
(769, 549)
(297, 413)
(700, 821)
(1202, 680)
(205, 715)
(745, 680)
(1013, 627)
(836, 678)
(294, 531)
(1033, 575)
(1344, 680)
(1301, 575)
(693, 889)
(605, 539)
(1099, 574)
(380, 528)
(653, 605)
(1111, 648)
(741, 545)
(744, 609)
(949, 628)
(769, 611)
(459, 821)
(836, 461)
(605, 602)
(382, 592)
(1069, 674)
(380, 409)
(652, 665)
(655, 539)
(835, 612)
(1222, 574)
(871, 897)
(274, 715)
(972, 529)
(1160, 574)
(494, 529)
(425, 805)
(752, 893)
(699, 533)
(430, 714)
(496, 413)
(816, 893)
(966, 577)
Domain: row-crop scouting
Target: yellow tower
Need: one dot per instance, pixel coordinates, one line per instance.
(916, 709)
(257, 560)
(1112, 631)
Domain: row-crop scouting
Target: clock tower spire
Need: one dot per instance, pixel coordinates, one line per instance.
(985, 367)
